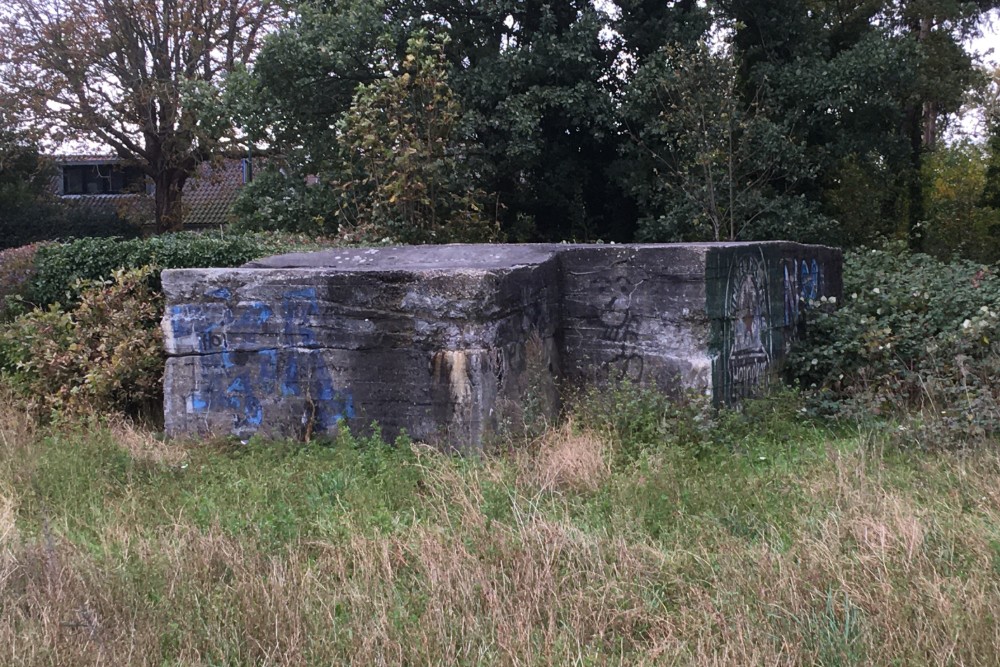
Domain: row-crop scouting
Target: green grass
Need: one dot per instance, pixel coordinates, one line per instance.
(663, 535)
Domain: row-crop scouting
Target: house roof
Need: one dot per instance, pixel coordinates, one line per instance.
(136, 208)
(210, 193)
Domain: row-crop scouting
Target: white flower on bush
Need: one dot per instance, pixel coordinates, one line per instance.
(966, 324)
(875, 291)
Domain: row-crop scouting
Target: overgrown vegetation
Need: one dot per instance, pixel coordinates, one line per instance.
(17, 270)
(636, 530)
(915, 340)
(815, 547)
(104, 353)
(60, 267)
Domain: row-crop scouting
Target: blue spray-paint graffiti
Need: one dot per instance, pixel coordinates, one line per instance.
(809, 281)
(242, 382)
(297, 306)
(803, 285)
(791, 292)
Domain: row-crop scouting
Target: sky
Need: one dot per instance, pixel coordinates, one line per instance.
(986, 48)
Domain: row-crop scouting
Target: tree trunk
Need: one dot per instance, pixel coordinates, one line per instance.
(920, 129)
(930, 124)
(930, 107)
(167, 201)
(915, 184)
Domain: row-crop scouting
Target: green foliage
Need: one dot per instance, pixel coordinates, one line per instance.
(913, 334)
(869, 84)
(991, 177)
(283, 201)
(61, 266)
(533, 83)
(639, 420)
(413, 171)
(819, 118)
(543, 97)
(306, 76)
(959, 221)
(712, 162)
(104, 354)
(865, 196)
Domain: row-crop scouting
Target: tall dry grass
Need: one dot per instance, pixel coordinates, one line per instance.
(521, 560)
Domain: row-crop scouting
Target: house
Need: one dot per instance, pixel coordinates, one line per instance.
(107, 184)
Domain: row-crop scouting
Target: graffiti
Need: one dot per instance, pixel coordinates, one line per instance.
(747, 309)
(791, 292)
(809, 282)
(242, 382)
(802, 285)
(620, 326)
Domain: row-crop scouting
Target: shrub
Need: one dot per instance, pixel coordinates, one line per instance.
(634, 419)
(913, 334)
(50, 221)
(17, 269)
(287, 202)
(105, 353)
(61, 267)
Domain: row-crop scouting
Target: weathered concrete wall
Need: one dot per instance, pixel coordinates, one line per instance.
(437, 339)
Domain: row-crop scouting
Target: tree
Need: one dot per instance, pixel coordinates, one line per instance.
(706, 165)
(134, 75)
(944, 74)
(534, 78)
(960, 217)
(413, 171)
(25, 176)
(867, 83)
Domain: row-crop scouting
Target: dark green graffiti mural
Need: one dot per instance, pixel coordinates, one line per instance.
(757, 299)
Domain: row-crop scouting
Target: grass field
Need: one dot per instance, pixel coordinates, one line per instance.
(651, 538)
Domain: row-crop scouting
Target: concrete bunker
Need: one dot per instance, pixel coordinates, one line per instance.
(437, 340)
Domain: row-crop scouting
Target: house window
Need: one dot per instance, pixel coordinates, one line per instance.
(101, 179)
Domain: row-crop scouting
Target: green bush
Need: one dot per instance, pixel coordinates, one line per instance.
(105, 353)
(286, 202)
(60, 267)
(915, 338)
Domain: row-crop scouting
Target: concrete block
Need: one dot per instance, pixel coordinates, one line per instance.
(439, 340)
